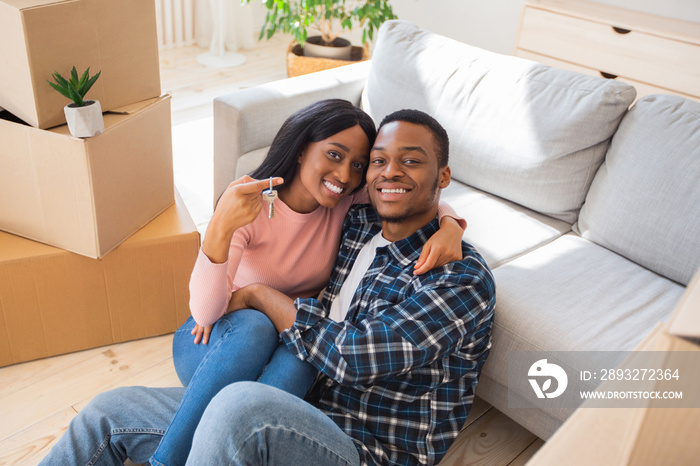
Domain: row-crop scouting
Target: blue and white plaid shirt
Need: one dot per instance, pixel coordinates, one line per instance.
(399, 374)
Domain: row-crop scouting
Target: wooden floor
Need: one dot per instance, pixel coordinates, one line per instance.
(39, 398)
(192, 84)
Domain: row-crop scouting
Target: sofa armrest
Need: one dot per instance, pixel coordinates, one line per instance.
(248, 119)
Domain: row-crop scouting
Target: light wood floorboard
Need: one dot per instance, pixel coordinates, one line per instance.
(41, 397)
(192, 84)
(38, 399)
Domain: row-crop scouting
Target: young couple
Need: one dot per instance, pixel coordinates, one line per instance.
(395, 343)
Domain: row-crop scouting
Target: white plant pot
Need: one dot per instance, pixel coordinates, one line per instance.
(85, 121)
(341, 49)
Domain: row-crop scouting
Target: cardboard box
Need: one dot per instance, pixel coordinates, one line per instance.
(87, 195)
(685, 321)
(40, 37)
(54, 302)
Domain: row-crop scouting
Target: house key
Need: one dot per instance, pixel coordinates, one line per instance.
(270, 195)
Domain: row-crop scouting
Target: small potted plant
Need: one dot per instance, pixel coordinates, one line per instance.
(329, 18)
(84, 117)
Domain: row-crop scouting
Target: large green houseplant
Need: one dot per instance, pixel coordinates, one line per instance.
(329, 18)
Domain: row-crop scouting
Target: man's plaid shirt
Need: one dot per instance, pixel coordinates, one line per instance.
(399, 374)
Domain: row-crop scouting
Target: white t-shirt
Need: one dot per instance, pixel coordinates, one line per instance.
(341, 303)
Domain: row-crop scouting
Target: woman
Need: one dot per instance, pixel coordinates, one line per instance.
(318, 161)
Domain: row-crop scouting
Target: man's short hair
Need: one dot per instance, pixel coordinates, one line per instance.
(417, 117)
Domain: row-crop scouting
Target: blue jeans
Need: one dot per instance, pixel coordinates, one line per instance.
(247, 423)
(243, 346)
(268, 427)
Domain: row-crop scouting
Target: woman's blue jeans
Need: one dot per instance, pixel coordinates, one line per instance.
(243, 346)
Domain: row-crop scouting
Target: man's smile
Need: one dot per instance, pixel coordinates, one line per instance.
(392, 191)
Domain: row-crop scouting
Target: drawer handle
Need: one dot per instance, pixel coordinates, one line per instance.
(608, 75)
(621, 30)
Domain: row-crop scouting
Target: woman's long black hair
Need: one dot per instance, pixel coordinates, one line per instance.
(314, 123)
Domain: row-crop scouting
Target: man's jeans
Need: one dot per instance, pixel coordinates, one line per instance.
(243, 346)
(247, 423)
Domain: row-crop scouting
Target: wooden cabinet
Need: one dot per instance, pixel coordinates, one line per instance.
(653, 53)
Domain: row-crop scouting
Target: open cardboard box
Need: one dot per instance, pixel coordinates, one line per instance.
(54, 302)
(685, 321)
(40, 37)
(87, 195)
(646, 435)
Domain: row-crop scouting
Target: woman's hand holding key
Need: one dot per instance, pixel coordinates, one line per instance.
(238, 206)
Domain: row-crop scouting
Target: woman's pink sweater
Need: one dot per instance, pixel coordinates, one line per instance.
(293, 253)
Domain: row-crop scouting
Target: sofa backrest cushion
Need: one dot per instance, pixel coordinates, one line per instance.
(644, 202)
(530, 133)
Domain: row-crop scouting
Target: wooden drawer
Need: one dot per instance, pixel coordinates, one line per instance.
(642, 88)
(646, 57)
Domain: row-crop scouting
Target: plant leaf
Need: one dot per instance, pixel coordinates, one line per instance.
(60, 89)
(84, 79)
(75, 96)
(74, 77)
(89, 84)
(61, 81)
(295, 16)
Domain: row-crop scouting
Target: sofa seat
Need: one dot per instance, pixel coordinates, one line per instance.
(499, 229)
(570, 295)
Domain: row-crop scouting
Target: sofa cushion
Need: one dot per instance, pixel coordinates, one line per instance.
(500, 230)
(526, 132)
(644, 203)
(250, 161)
(579, 296)
(571, 295)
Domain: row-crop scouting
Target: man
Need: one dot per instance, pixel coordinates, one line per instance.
(398, 362)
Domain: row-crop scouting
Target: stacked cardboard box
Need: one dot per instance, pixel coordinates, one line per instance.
(126, 251)
(53, 301)
(39, 37)
(87, 195)
(84, 195)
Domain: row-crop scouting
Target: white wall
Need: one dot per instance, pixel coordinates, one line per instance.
(493, 24)
(489, 24)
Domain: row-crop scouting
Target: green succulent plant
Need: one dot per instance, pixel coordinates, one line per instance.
(74, 88)
(328, 17)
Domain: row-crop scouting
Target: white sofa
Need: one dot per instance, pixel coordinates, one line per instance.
(587, 213)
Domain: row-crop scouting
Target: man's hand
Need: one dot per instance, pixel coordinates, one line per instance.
(240, 299)
(443, 247)
(277, 306)
(201, 334)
